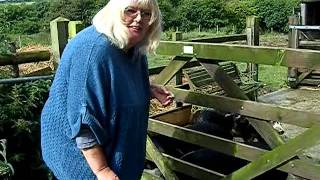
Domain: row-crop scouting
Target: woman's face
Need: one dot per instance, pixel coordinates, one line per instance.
(137, 22)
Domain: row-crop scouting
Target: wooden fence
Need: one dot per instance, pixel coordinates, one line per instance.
(284, 156)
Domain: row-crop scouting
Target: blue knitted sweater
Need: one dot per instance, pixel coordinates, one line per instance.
(108, 90)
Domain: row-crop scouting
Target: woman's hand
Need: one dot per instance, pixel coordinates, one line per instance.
(106, 174)
(161, 94)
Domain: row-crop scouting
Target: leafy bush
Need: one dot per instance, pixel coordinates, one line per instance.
(274, 13)
(237, 12)
(75, 10)
(204, 13)
(24, 18)
(19, 123)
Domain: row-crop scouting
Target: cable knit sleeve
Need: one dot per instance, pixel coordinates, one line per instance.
(88, 93)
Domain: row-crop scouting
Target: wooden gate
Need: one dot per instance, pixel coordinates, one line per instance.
(284, 156)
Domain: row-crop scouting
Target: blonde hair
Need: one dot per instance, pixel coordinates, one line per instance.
(109, 21)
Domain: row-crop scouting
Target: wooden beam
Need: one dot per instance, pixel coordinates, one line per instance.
(216, 143)
(74, 27)
(170, 71)
(190, 169)
(25, 57)
(221, 39)
(242, 53)
(148, 176)
(258, 110)
(253, 39)
(278, 155)
(239, 150)
(303, 75)
(293, 42)
(158, 159)
(59, 38)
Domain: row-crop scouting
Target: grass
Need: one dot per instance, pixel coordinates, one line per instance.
(42, 38)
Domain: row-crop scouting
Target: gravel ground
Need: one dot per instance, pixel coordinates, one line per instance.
(306, 99)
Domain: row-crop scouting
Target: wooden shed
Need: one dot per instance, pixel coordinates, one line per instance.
(310, 16)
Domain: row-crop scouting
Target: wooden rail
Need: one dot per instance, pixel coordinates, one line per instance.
(288, 57)
(221, 39)
(25, 57)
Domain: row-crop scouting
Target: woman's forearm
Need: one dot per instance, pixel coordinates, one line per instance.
(95, 158)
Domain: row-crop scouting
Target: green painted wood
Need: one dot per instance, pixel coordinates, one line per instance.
(159, 160)
(25, 57)
(190, 169)
(248, 108)
(170, 71)
(148, 176)
(278, 155)
(219, 144)
(239, 150)
(242, 53)
(227, 38)
(74, 27)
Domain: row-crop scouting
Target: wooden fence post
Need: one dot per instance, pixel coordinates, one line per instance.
(293, 43)
(252, 31)
(74, 27)
(15, 67)
(177, 36)
(59, 38)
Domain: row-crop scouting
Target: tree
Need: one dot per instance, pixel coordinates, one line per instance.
(274, 13)
(204, 13)
(237, 12)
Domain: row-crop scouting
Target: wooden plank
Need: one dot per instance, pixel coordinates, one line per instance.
(25, 57)
(252, 23)
(302, 76)
(156, 70)
(246, 152)
(216, 143)
(169, 72)
(158, 159)
(242, 53)
(179, 116)
(293, 42)
(148, 176)
(190, 169)
(314, 82)
(74, 27)
(227, 38)
(252, 109)
(278, 155)
(203, 82)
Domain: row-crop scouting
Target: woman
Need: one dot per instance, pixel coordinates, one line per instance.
(94, 123)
